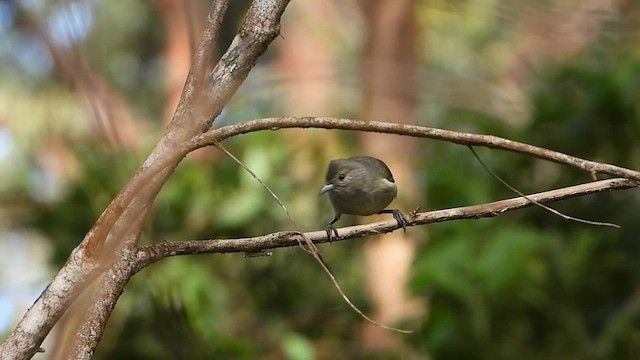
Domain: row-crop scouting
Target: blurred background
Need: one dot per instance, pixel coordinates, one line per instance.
(87, 86)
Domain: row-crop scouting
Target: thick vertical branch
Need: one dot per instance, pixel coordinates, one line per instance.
(193, 100)
(197, 109)
(192, 118)
(110, 288)
(260, 27)
(24, 340)
(108, 292)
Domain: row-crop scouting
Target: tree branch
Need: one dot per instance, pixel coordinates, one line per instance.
(110, 287)
(195, 114)
(592, 167)
(152, 253)
(193, 87)
(260, 26)
(207, 45)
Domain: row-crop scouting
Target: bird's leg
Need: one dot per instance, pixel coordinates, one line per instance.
(398, 215)
(330, 228)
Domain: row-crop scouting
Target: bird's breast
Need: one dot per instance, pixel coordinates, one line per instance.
(364, 199)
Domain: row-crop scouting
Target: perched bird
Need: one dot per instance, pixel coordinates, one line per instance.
(360, 185)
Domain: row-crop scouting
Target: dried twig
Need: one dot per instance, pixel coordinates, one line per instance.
(551, 210)
(310, 247)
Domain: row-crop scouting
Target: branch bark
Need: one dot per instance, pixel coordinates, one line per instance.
(150, 254)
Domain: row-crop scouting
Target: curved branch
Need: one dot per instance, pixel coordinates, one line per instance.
(150, 254)
(213, 136)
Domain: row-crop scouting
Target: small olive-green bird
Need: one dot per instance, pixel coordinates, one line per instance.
(360, 185)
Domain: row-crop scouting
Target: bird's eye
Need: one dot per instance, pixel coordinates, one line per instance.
(341, 177)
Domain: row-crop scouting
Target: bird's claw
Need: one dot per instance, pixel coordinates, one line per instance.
(402, 221)
(330, 229)
(399, 216)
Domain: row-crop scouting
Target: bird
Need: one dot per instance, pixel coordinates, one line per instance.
(360, 185)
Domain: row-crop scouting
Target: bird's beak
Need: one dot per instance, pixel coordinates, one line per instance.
(326, 188)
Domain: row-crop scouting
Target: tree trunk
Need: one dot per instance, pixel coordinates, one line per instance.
(390, 75)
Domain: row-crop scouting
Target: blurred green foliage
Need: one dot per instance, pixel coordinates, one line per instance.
(526, 285)
(530, 284)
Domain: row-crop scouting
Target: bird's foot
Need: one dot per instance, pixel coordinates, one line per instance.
(402, 221)
(399, 216)
(330, 229)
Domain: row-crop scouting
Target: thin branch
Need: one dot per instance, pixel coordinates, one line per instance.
(152, 253)
(592, 167)
(311, 248)
(554, 211)
(273, 195)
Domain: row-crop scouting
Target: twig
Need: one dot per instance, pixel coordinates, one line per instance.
(312, 248)
(554, 211)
